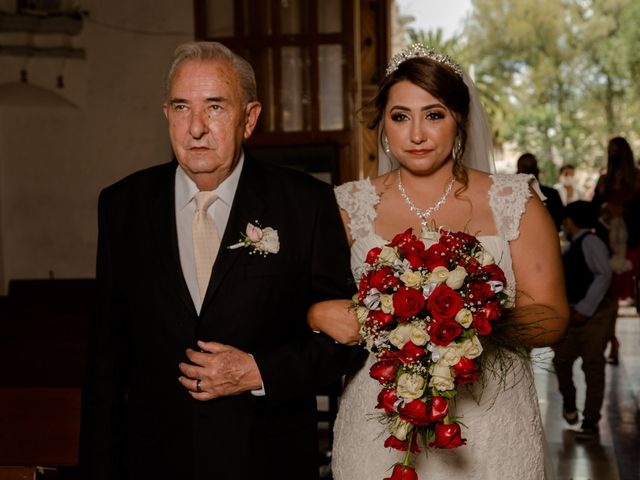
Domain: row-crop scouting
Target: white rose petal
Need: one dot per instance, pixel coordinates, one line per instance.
(399, 428)
(471, 348)
(464, 317)
(419, 335)
(270, 242)
(450, 355)
(439, 275)
(456, 277)
(485, 258)
(411, 386)
(429, 237)
(411, 279)
(400, 335)
(362, 313)
(388, 255)
(386, 303)
(441, 378)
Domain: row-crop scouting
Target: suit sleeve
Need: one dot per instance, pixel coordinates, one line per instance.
(103, 390)
(312, 361)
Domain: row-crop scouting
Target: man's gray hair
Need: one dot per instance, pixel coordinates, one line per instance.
(214, 51)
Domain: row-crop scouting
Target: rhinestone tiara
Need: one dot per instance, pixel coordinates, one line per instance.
(419, 50)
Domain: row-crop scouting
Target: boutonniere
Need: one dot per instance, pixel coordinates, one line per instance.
(261, 240)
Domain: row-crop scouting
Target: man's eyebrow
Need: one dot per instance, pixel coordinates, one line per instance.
(208, 99)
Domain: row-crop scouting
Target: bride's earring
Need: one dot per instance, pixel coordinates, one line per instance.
(457, 148)
(385, 145)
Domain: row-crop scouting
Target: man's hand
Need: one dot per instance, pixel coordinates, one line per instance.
(577, 319)
(221, 370)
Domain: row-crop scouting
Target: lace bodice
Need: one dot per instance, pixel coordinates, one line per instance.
(504, 430)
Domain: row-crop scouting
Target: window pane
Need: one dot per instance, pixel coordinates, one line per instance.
(294, 93)
(331, 94)
(329, 16)
(262, 62)
(293, 16)
(219, 18)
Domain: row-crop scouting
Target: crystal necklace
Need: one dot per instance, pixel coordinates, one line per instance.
(424, 214)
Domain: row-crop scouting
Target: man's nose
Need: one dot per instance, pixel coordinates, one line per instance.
(199, 124)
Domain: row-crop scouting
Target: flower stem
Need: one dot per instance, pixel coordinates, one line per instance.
(407, 455)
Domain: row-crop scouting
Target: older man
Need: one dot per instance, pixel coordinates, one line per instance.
(201, 363)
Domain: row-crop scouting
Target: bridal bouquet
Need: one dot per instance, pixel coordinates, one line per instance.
(422, 305)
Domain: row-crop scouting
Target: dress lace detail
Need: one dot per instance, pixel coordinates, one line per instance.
(504, 430)
(359, 200)
(508, 198)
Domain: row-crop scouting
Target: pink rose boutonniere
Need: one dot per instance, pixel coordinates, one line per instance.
(261, 240)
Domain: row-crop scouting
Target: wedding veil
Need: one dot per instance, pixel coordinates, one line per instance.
(478, 152)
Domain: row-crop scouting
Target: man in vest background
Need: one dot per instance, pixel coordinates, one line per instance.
(587, 279)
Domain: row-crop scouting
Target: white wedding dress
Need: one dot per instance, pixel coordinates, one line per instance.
(503, 427)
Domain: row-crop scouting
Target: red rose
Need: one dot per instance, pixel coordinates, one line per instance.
(393, 442)
(410, 352)
(466, 371)
(481, 322)
(444, 303)
(439, 408)
(447, 436)
(493, 310)
(363, 288)
(444, 332)
(403, 238)
(408, 302)
(378, 319)
(479, 292)
(387, 399)
(373, 255)
(437, 255)
(414, 412)
(413, 253)
(384, 279)
(403, 472)
(493, 272)
(468, 240)
(384, 371)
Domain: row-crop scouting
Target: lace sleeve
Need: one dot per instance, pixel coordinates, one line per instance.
(508, 199)
(358, 199)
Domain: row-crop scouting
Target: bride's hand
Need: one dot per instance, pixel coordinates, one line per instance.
(336, 319)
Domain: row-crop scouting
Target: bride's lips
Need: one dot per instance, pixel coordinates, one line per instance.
(421, 151)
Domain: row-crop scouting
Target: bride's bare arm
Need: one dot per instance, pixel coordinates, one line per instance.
(541, 303)
(337, 319)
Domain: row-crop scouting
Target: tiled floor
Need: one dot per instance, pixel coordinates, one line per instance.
(616, 454)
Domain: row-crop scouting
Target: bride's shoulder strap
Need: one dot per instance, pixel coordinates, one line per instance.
(358, 199)
(508, 197)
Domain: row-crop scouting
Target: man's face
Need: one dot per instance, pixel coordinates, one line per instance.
(208, 119)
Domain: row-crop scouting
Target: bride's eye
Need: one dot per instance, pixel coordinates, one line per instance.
(434, 115)
(399, 117)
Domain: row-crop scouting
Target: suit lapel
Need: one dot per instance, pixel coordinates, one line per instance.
(248, 204)
(162, 215)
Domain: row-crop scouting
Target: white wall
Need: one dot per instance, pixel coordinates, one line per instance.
(55, 158)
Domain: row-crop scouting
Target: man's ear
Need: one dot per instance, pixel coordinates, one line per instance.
(252, 113)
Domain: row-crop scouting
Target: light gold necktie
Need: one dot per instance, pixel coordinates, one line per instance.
(206, 240)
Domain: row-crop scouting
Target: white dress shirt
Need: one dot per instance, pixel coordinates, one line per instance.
(186, 190)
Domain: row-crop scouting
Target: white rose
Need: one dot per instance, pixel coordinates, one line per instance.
(419, 335)
(429, 237)
(450, 355)
(411, 386)
(471, 348)
(269, 242)
(456, 277)
(441, 378)
(464, 317)
(484, 257)
(439, 275)
(388, 255)
(411, 279)
(362, 313)
(400, 335)
(386, 303)
(399, 428)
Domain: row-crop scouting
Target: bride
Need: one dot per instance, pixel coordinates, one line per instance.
(434, 133)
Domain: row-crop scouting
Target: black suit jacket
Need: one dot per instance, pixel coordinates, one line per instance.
(138, 421)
